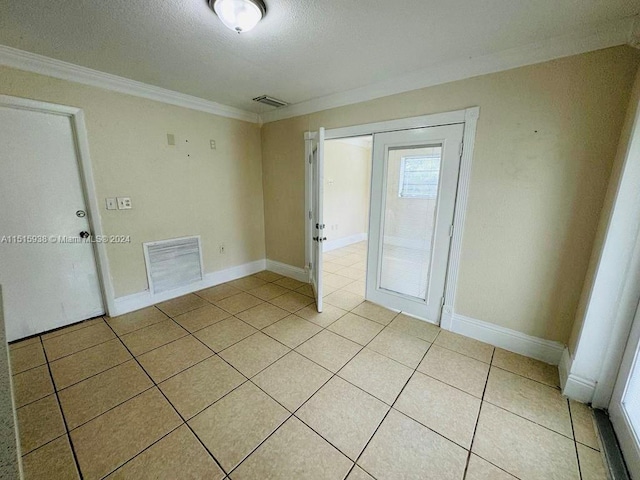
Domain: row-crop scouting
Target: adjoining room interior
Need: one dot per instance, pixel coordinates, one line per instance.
(251, 239)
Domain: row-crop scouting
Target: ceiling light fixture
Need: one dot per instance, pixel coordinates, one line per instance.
(239, 15)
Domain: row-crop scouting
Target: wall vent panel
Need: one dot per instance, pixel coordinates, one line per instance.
(172, 264)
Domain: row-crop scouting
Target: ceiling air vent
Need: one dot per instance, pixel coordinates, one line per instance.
(272, 102)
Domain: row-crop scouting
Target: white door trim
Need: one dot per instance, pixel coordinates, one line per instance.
(469, 117)
(76, 117)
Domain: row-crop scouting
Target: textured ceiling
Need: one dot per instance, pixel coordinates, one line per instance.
(301, 50)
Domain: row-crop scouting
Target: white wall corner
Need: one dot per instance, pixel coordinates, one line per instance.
(139, 300)
(574, 386)
(297, 273)
(505, 338)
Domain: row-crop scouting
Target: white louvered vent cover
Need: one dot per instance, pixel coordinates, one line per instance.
(173, 263)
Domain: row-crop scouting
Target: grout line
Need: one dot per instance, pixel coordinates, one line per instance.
(575, 442)
(64, 419)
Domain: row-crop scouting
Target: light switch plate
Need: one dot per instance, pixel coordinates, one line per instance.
(112, 204)
(124, 203)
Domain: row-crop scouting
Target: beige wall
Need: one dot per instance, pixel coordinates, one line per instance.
(607, 211)
(213, 193)
(545, 144)
(347, 185)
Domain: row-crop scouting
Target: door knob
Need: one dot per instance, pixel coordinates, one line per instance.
(84, 234)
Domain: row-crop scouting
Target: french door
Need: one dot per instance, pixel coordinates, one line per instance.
(624, 409)
(316, 161)
(413, 193)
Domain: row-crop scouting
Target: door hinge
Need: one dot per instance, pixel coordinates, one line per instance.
(461, 149)
(451, 230)
(310, 265)
(310, 159)
(310, 214)
(442, 302)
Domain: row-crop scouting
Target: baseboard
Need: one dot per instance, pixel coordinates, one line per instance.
(512, 340)
(144, 299)
(329, 245)
(572, 385)
(297, 273)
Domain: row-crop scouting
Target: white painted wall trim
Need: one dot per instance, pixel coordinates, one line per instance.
(572, 385)
(31, 62)
(76, 117)
(598, 37)
(297, 273)
(512, 340)
(144, 299)
(330, 245)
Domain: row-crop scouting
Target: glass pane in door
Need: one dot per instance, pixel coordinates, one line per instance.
(410, 199)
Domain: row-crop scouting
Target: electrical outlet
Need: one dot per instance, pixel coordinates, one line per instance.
(171, 139)
(124, 203)
(112, 204)
(222, 249)
(212, 144)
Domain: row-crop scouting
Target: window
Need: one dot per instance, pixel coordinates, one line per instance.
(419, 176)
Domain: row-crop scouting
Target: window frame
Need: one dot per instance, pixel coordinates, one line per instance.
(401, 182)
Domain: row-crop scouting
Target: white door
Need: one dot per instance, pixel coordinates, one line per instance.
(316, 160)
(414, 183)
(46, 283)
(624, 409)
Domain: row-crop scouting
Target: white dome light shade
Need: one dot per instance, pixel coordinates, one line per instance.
(239, 15)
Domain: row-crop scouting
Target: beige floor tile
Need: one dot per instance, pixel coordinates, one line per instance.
(480, 469)
(532, 400)
(294, 451)
(358, 474)
(380, 376)
(583, 426)
(329, 350)
(32, 385)
(254, 353)
(344, 415)
(183, 304)
(52, 461)
(402, 448)
(403, 348)
(178, 455)
(356, 328)
(352, 273)
(358, 287)
(225, 333)
(263, 315)
(336, 280)
(292, 301)
(344, 300)
(306, 290)
(465, 345)
(448, 411)
(292, 330)
(219, 292)
(375, 312)
(247, 283)
(522, 448)
(24, 343)
(81, 365)
(268, 291)
(418, 328)
(292, 380)
(133, 321)
(94, 396)
(201, 317)
(72, 328)
(39, 423)
(591, 464)
(268, 276)
(455, 369)
(330, 266)
(27, 357)
(289, 283)
(107, 442)
(238, 303)
(196, 388)
(174, 357)
(527, 367)
(329, 314)
(232, 427)
(154, 336)
(63, 345)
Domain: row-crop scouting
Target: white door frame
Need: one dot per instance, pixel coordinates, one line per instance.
(469, 117)
(76, 117)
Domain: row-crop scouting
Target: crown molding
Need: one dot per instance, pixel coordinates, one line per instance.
(31, 62)
(607, 35)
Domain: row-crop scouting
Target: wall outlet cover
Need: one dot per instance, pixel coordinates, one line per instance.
(112, 204)
(124, 203)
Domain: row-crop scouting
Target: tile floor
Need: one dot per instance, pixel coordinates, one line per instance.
(246, 381)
